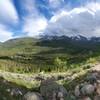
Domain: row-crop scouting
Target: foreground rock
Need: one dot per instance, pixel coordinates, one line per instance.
(85, 98)
(16, 92)
(50, 90)
(32, 96)
(88, 89)
(97, 97)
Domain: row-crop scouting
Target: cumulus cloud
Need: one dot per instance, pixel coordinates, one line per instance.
(34, 26)
(34, 22)
(78, 21)
(5, 34)
(8, 13)
(8, 16)
(66, 19)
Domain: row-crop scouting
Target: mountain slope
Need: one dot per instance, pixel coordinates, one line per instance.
(29, 54)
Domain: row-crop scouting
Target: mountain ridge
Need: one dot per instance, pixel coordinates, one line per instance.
(46, 37)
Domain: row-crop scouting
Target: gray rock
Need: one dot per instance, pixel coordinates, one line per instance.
(87, 89)
(92, 78)
(60, 95)
(52, 91)
(98, 89)
(77, 91)
(98, 81)
(85, 98)
(97, 97)
(32, 96)
(16, 92)
(63, 90)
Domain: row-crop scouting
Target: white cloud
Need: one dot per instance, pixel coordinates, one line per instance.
(8, 13)
(34, 26)
(93, 6)
(55, 3)
(78, 21)
(5, 34)
(34, 23)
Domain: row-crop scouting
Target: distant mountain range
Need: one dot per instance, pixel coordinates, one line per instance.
(46, 37)
(79, 37)
(29, 41)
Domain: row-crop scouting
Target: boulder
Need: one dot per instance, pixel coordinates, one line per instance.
(32, 96)
(87, 89)
(50, 90)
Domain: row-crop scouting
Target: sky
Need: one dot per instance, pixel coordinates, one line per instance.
(20, 18)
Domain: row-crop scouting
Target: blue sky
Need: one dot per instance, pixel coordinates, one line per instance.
(20, 18)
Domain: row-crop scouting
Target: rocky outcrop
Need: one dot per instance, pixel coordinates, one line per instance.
(86, 87)
(89, 89)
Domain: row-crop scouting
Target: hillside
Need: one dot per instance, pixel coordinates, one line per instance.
(58, 53)
(27, 65)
